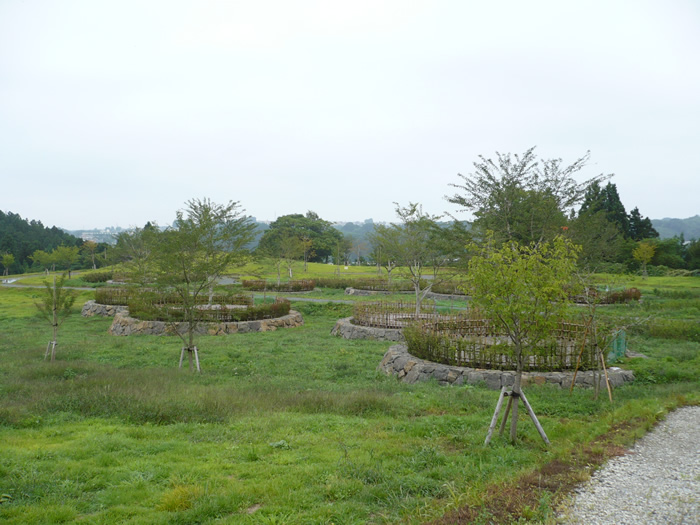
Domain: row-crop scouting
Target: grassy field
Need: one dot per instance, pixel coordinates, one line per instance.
(297, 427)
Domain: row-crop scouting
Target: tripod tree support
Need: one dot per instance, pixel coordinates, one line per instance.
(513, 397)
(190, 352)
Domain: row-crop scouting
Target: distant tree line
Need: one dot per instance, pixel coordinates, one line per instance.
(29, 245)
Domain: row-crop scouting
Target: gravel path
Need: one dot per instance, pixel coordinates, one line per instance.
(658, 482)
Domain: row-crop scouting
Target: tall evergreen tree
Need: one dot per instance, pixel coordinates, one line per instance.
(641, 227)
(606, 199)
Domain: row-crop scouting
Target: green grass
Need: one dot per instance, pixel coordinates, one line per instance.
(291, 426)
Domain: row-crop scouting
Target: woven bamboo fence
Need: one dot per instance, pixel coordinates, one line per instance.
(397, 314)
(215, 314)
(480, 343)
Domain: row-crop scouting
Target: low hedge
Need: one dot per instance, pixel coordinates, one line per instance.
(125, 296)
(97, 276)
(290, 286)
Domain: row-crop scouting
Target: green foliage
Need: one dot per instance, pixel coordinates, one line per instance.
(188, 260)
(21, 238)
(55, 305)
(523, 289)
(606, 200)
(289, 286)
(322, 235)
(56, 301)
(680, 329)
(521, 198)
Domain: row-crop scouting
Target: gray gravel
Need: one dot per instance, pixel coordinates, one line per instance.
(657, 482)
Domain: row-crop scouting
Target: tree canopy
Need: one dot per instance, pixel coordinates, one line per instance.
(321, 234)
(520, 197)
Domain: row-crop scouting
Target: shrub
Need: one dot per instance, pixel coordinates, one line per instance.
(290, 286)
(337, 283)
(447, 288)
(623, 296)
(97, 277)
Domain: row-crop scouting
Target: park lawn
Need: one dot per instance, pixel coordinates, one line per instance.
(292, 426)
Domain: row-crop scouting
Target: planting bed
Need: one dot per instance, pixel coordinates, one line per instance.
(410, 369)
(125, 325)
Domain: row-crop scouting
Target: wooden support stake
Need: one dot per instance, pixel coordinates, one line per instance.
(182, 356)
(505, 416)
(196, 358)
(607, 380)
(534, 418)
(50, 350)
(494, 420)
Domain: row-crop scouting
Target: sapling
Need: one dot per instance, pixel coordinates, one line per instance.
(55, 306)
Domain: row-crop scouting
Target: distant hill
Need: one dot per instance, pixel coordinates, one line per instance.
(667, 228)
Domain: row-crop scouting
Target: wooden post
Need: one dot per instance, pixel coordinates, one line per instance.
(505, 416)
(494, 420)
(196, 358)
(534, 418)
(182, 356)
(607, 380)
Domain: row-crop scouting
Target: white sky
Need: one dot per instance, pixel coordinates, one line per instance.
(117, 112)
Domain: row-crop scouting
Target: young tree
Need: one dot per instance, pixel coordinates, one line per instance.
(520, 197)
(383, 241)
(189, 258)
(55, 307)
(66, 256)
(43, 259)
(416, 244)
(307, 246)
(644, 253)
(7, 260)
(90, 248)
(524, 290)
(285, 247)
(358, 246)
(133, 250)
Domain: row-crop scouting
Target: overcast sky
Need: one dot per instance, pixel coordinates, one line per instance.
(117, 112)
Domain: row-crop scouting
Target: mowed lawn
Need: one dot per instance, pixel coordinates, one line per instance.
(293, 426)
